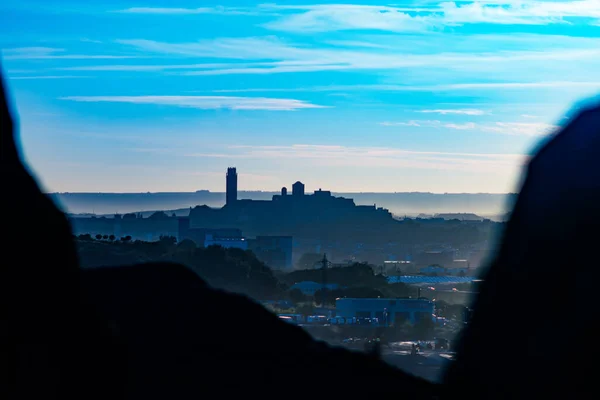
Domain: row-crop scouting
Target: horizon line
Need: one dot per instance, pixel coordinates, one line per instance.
(279, 192)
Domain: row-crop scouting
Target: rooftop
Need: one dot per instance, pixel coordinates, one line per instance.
(418, 279)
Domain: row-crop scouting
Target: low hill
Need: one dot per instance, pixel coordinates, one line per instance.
(401, 204)
(229, 269)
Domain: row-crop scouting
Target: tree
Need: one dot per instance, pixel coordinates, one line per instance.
(186, 245)
(396, 290)
(423, 329)
(357, 274)
(309, 260)
(234, 270)
(111, 238)
(326, 296)
(168, 240)
(305, 309)
(98, 237)
(158, 215)
(296, 296)
(105, 237)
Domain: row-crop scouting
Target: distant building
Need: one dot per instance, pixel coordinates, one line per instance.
(275, 251)
(324, 193)
(433, 270)
(463, 271)
(398, 310)
(298, 189)
(392, 267)
(309, 288)
(226, 242)
(198, 235)
(148, 229)
(183, 228)
(441, 257)
(298, 215)
(231, 187)
(421, 280)
(463, 264)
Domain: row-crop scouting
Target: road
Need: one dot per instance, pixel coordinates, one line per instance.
(428, 364)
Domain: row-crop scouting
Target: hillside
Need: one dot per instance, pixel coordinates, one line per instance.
(484, 204)
(230, 269)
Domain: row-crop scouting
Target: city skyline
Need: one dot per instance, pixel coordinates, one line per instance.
(419, 96)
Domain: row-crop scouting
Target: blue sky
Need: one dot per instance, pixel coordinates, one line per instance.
(440, 96)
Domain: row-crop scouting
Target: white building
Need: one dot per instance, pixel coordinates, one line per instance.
(226, 242)
(396, 311)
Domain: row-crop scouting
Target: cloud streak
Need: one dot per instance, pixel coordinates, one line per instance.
(428, 88)
(50, 53)
(164, 10)
(430, 17)
(337, 156)
(466, 111)
(521, 128)
(191, 11)
(271, 55)
(204, 102)
(18, 78)
(506, 128)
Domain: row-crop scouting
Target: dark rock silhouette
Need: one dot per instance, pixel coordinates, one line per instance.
(51, 333)
(534, 346)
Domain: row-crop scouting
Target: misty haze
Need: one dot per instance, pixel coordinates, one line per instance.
(493, 206)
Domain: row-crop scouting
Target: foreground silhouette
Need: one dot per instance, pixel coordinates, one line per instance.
(158, 331)
(149, 331)
(542, 345)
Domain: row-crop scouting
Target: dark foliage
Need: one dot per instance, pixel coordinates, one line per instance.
(358, 274)
(231, 269)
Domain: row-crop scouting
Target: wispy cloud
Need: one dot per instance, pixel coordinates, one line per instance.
(88, 40)
(521, 128)
(273, 55)
(420, 16)
(334, 17)
(147, 68)
(462, 127)
(48, 77)
(409, 123)
(204, 102)
(164, 10)
(515, 85)
(507, 128)
(465, 111)
(191, 11)
(325, 155)
(47, 53)
(433, 124)
(430, 16)
(427, 88)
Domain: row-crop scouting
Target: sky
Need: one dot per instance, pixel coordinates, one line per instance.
(421, 95)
